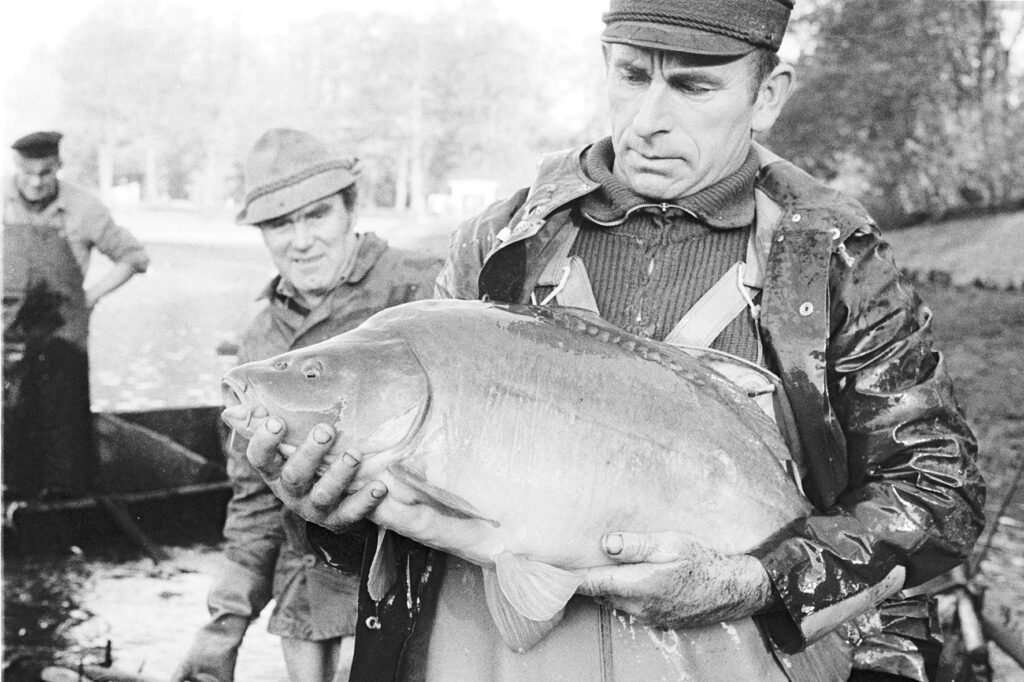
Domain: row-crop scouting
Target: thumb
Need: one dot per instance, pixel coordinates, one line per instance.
(657, 548)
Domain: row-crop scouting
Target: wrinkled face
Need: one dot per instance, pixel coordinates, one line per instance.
(36, 179)
(680, 122)
(311, 246)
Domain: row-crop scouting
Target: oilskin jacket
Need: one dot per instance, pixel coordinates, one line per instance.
(267, 554)
(889, 461)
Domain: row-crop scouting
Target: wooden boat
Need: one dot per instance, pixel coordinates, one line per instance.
(162, 479)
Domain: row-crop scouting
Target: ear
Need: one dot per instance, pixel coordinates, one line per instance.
(771, 97)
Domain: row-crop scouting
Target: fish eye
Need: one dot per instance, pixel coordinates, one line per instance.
(281, 364)
(312, 369)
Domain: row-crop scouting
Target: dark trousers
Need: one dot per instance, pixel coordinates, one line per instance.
(48, 444)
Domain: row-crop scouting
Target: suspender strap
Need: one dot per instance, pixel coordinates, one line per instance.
(713, 311)
(561, 245)
(567, 274)
(574, 288)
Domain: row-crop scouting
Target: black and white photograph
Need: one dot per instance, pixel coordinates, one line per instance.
(512, 341)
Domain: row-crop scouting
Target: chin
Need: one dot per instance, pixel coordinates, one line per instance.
(657, 191)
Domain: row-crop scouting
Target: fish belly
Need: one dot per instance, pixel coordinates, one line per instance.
(568, 437)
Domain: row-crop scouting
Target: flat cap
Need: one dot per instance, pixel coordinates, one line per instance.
(711, 27)
(288, 169)
(38, 145)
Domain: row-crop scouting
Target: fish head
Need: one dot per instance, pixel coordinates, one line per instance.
(372, 390)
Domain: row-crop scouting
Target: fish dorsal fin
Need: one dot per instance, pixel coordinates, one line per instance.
(382, 575)
(536, 590)
(440, 499)
(516, 630)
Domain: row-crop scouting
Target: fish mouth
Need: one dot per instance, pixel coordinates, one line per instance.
(240, 411)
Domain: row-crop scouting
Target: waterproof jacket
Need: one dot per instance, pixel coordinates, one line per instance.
(889, 461)
(267, 553)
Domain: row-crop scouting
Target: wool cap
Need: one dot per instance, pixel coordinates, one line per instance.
(39, 145)
(712, 27)
(288, 169)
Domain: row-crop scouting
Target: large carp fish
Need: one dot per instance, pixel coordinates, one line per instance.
(514, 437)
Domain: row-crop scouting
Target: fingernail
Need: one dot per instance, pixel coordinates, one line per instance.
(612, 544)
(321, 435)
(378, 492)
(350, 460)
(275, 425)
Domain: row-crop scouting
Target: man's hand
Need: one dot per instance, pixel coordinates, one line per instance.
(668, 581)
(214, 652)
(322, 500)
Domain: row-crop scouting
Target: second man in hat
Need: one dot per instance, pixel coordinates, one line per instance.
(330, 279)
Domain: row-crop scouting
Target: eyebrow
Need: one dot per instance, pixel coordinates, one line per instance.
(318, 211)
(690, 75)
(676, 75)
(321, 209)
(629, 61)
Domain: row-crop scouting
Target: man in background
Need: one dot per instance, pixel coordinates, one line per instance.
(330, 278)
(50, 229)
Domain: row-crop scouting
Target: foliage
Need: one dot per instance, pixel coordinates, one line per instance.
(916, 107)
(919, 98)
(176, 101)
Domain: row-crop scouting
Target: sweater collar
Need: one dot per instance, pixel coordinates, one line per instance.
(727, 204)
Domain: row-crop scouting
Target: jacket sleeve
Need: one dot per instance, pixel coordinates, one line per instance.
(914, 504)
(254, 533)
(115, 242)
(469, 245)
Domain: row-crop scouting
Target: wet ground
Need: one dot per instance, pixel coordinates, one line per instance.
(68, 609)
(154, 344)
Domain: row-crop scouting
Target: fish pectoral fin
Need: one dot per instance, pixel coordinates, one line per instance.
(438, 498)
(516, 630)
(382, 575)
(536, 590)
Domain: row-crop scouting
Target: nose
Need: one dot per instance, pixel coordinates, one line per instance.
(301, 236)
(653, 116)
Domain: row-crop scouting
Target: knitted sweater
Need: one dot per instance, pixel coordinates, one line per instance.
(649, 263)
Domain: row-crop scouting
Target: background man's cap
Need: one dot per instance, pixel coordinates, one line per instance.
(288, 169)
(712, 27)
(39, 145)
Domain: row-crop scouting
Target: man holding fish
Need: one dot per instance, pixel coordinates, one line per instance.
(680, 229)
(302, 198)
